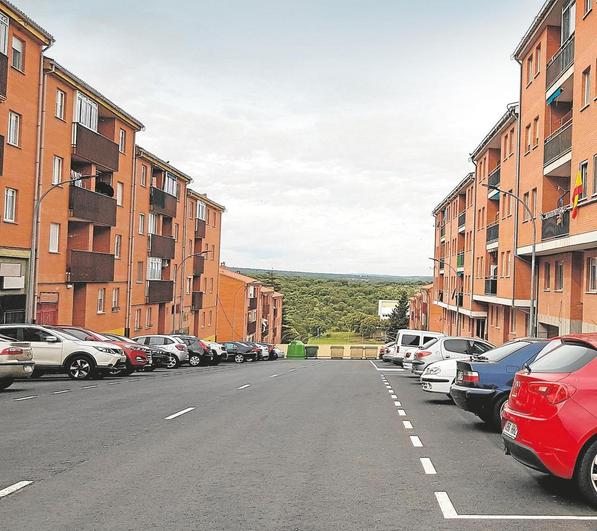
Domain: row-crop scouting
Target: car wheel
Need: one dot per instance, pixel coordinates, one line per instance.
(116, 372)
(7, 382)
(173, 362)
(194, 360)
(586, 474)
(80, 368)
(498, 407)
(239, 358)
(216, 359)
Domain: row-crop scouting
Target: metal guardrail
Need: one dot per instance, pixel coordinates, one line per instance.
(494, 178)
(490, 286)
(557, 144)
(555, 224)
(493, 232)
(461, 219)
(560, 62)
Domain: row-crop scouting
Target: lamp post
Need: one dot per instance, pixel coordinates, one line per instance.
(176, 268)
(532, 330)
(32, 288)
(458, 296)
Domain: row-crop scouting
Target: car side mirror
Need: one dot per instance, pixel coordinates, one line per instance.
(51, 339)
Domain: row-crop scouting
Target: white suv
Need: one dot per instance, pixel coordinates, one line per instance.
(176, 348)
(56, 351)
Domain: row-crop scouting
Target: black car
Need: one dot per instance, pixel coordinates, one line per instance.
(199, 352)
(240, 352)
(273, 355)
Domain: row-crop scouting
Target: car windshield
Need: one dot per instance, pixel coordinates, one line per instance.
(498, 354)
(566, 358)
(429, 343)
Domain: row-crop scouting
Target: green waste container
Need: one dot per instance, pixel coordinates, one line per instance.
(311, 351)
(296, 349)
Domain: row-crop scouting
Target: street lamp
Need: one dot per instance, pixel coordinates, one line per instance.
(532, 330)
(32, 288)
(176, 268)
(458, 296)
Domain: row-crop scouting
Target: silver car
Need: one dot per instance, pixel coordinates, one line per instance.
(16, 361)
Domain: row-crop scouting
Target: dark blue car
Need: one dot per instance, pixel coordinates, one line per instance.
(482, 385)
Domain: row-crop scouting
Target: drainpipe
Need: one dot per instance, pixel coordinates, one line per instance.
(131, 246)
(473, 244)
(183, 279)
(31, 302)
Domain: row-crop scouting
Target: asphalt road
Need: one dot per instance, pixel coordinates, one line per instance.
(285, 445)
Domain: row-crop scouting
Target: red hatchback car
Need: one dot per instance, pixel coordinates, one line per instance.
(550, 422)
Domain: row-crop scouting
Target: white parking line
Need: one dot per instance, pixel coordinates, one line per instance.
(407, 424)
(274, 375)
(385, 370)
(416, 442)
(402, 413)
(89, 387)
(25, 398)
(243, 387)
(113, 383)
(397, 404)
(428, 466)
(14, 488)
(60, 392)
(449, 513)
(393, 397)
(187, 410)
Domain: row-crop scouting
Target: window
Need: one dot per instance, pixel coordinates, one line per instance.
(119, 193)
(505, 148)
(253, 318)
(586, 88)
(529, 69)
(141, 223)
(592, 274)
(18, 54)
(54, 237)
(189, 285)
(86, 112)
(568, 20)
(527, 138)
(57, 170)
(152, 224)
(140, 274)
(122, 141)
(534, 202)
(143, 175)
(509, 203)
(566, 358)
(525, 212)
(559, 282)
(201, 210)
(203, 319)
(10, 205)
(14, 129)
(536, 131)
(117, 245)
(584, 175)
(148, 317)
(409, 340)
(460, 346)
(537, 59)
(209, 318)
(508, 260)
(115, 299)
(512, 321)
(170, 184)
(588, 6)
(546, 276)
(512, 141)
(176, 232)
(101, 300)
(154, 269)
(3, 34)
(60, 104)
(211, 285)
(137, 318)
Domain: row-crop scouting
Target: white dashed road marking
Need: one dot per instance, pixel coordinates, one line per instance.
(407, 424)
(428, 466)
(14, 488)
(60, 392)
(243, 387)
(416, 442)
(89, 387)
(402, 413)
(393, 397)
(25, 398)
(187, 410)
(274, 375)
(397, 404)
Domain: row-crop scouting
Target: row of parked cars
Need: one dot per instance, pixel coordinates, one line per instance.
(540, 393)
(32, 350)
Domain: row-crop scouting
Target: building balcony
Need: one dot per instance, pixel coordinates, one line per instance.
(95, 148)
(442, 231)
(493, 233)
(159, 291)
(200, 228)
(251, 327)
(197, 300)
(555, 224)
(92, 207)
(162, 202)
(491, 286)
(560, 63)
(3, 76)
(493, 181)
(557, 146)
(253, 303)
(87, 266)
(161, 247)
(460, 260)
(198, 265)
(461, 220)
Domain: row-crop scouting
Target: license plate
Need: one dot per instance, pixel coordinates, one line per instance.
(510, 430)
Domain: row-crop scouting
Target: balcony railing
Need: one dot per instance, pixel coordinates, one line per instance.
(197, 301)
(494, 179)
(458, 299)
(491, 286)
(198, 265)
(493, 232)
(3, 76)
(253, 303)
(555, 224)
(161, 246)
(252, 327)
(442, 231)
(87, 266)
(442, 263)
(460, 260)
(95, 148)
(159, 291)
(86, 205)
(560, 62)
(461, 219)
(199, 228)
(162, 202)
(558, 143)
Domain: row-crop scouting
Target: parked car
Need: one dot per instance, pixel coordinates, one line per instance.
(136, 355)
(199, 352)
(438, 377)
(57, 351)
(408, 341)
(176, 348)
(240, 352)
(156, 357)
(217, 350)
(483, 383)
(385, 349)
(263, 354)
(16, 361)
(550, 421)
(271, 351)
(443, 348)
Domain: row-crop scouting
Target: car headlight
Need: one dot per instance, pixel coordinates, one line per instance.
(107, 350)
(433, 370)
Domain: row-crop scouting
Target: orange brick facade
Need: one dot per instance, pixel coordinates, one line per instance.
(423, 313)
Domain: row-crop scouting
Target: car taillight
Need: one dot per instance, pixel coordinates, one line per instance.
(203, 345)
(422, 354)
(180, 347)
(11, 351)
(470, 377)
(256, 349)
(554, 393)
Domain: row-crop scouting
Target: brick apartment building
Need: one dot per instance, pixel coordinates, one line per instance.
(248, 310)
(483, 236)
(423, 313)
(123, 243)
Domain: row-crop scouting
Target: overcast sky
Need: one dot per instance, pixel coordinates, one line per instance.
(329, 128)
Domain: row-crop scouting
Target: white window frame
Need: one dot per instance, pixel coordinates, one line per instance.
(201, 210)
(119, 193)
(251, 292)
(152, 223)
(586, 88)
(4, 24)
(101, 300)
(86, 112)
(122, 141)
(583, 168)
(559, 278)
(117, 245)
(143, 175)
(115, 299)
(10, 205)
(592, 274)
(154, 268)
(18, 54)
(148, 317)
(57, 169)
(60, 104)
(571, 8)
(54, 239)
(137, 318)
(141, 223)
(170, 184)
(14, 129)
(189, 286)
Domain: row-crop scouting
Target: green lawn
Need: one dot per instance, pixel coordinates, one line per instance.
(342, 338)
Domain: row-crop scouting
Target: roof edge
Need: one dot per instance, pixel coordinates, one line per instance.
(535, 25)
(470, 177)
(203, 197)
(511, 113)
(27, 22)
(141, 152)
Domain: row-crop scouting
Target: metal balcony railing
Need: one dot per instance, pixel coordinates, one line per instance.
(159, 291)
(491, 286)
(555, 224)
(558, 143)
(94, 147)
(161, 246)
(199, 228)
(253, 303)
(560, 62)
(87, 266)
(197, 300)
(198, 265)
(461, 219)
(494, 179)
(460, 260)
(162, 202)
(493, 232)
(86, 205)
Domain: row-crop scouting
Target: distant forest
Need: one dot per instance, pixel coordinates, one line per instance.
(315, 305)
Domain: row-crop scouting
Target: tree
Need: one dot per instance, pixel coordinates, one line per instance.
(399, 317)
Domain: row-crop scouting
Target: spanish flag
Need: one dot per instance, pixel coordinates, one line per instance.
(576, 194)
